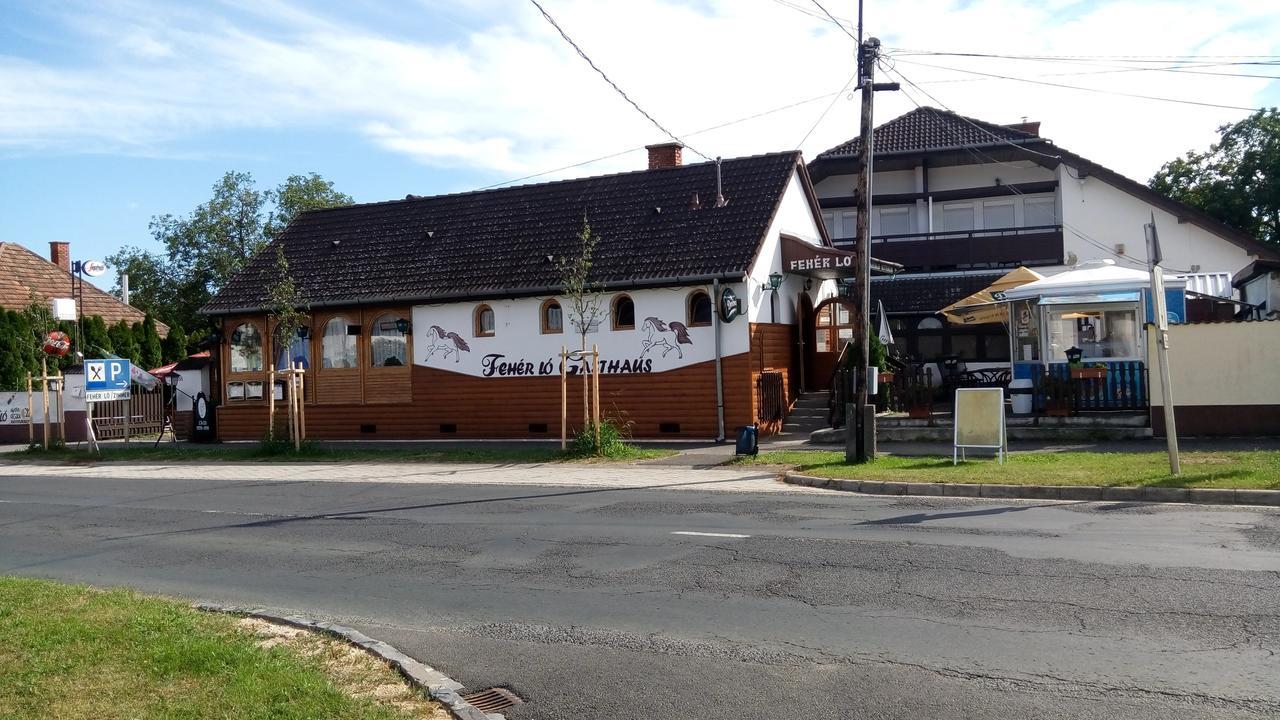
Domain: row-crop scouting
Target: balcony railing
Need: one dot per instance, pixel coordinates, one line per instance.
(994, 247)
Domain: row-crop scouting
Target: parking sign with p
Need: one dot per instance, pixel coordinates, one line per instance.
(106, 379)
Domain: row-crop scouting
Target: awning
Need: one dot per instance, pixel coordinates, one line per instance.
(987, 305)
(827, 263)
(1097, 277)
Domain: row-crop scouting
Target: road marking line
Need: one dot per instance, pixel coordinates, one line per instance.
(706, 534)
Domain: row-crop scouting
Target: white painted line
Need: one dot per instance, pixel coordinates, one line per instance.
(702, 534)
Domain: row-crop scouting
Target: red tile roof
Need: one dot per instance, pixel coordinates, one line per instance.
(24, 274)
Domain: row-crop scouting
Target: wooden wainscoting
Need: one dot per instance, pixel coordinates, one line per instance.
(677, 403)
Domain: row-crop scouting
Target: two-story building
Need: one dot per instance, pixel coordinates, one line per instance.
(959, 201)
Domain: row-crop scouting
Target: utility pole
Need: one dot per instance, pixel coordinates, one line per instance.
(1161, 316)
(862, 428)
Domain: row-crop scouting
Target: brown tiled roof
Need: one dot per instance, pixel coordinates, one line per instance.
(24, 273)
(927, 294)
(655, 227)
(925, 129)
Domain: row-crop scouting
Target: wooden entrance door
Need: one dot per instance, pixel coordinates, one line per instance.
(833, 326)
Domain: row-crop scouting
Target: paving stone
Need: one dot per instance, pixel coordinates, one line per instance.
(1166, 494)
(894, 488)
(1123, 494)
(962, 490)
(1080, 492)
(1219, 496)
(926, 489)
(874, 487)
(1041, 492)
(1000, 491)
(1258, 497)
(846, 485)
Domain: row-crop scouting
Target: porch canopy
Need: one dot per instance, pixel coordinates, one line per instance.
(1095, 278)
(987, 305)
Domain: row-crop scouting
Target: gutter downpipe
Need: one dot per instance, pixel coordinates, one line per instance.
(715, 320)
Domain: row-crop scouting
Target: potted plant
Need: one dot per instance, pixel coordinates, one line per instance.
(1057, 395)
(918, 399)
(1097, 371)
(886, 377)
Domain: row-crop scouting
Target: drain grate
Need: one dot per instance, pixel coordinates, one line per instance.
(493, 699)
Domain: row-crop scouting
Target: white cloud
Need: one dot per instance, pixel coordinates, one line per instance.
(498, 90)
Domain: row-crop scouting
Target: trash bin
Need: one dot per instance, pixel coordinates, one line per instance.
(747, 441)
(1020, 393)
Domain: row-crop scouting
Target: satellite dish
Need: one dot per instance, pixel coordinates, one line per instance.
(93, 268)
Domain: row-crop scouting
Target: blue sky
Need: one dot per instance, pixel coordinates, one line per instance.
(113, 111)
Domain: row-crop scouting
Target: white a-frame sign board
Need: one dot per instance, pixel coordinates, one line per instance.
(979, 422)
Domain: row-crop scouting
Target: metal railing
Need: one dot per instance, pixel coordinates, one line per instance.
(1029, 244)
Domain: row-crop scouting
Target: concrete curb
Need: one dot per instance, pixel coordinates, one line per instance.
(436, 684)
(1087, 493)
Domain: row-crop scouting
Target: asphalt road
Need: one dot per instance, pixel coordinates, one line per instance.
(587, 602)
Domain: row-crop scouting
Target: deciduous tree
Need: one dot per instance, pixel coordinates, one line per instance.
(1237, 180)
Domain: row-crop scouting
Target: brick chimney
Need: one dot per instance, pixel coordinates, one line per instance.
(1031, 128)
(664, 155)
(60, 254)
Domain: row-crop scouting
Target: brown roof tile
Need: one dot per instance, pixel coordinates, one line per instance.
(23, 273)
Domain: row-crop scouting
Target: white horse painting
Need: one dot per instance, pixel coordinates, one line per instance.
(446, 343)
(656, 336)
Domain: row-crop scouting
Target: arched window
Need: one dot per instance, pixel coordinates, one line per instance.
(389, 341)
(835, 325)
(699, 308)
(246, 349)
(298, 352)
(624, 313)
(484, 321)
(929, 323)
(338, 345)
(552, 318)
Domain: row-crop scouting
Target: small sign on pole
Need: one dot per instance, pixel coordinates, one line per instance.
(106, 379)
(979, 422)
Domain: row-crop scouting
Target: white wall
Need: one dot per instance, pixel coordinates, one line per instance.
(519, 340)
(960, 177)
(794, 218)
(1109, 216)
(1203, 374)
(191, 383)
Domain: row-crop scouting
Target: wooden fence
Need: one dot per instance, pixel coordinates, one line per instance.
(144, 414)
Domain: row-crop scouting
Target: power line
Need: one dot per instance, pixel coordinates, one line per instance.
(983, 157)
(712, 128)
(845, 24)
(1185, 67)
(823, 116)
(834, 20)
(1127, 58)
(612, 84)
(1085, 89)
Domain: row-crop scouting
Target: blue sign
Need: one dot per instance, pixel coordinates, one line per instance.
(106, 379)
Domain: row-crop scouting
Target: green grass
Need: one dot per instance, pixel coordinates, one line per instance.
(257, 452)
(72, 652)
(1252, 469)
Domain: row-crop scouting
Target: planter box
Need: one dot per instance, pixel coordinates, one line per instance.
(1088, 373)
(886, 377)
(919, 412)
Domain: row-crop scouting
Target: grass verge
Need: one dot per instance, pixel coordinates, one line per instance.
(257, 452)
(73, 652)
(1251, 469)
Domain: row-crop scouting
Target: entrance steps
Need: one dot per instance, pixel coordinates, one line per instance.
(941, 427)
(808, 415)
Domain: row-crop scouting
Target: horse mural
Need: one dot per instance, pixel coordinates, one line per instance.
(655, 336)
(447, 343)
